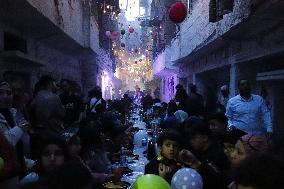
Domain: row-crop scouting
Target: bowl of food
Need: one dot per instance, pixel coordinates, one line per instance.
(125, 170)
(116, 185)
(131, 177)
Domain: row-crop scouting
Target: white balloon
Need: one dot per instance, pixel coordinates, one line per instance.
(187, 178)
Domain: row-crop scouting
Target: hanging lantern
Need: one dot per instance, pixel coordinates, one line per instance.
(131, 30)
(122, 45)
(122, 32)
(108, 33)
(178, 12)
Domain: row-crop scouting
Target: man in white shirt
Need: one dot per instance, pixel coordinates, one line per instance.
(248, 112)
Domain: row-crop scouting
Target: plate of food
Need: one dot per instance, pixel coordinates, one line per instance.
(134, 157)
(131, 177)
(125, 170)
(116, 185)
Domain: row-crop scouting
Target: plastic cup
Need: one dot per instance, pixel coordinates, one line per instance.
(117, 173)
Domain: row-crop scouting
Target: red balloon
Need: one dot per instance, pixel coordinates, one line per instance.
(178, 12)
(131, 30)
(113, 37)
(114, 33)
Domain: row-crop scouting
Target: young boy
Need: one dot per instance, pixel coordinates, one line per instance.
(165, 164)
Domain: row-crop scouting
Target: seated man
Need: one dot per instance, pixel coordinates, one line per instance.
(218, 124)
(165, 164)
(11, 128)
(209, 158)
(262, 171)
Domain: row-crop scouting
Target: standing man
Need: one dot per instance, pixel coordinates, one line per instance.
(195, 102)
(223, 99)
(138, 96)
(47, 108)
(72, 103)
(248, 112)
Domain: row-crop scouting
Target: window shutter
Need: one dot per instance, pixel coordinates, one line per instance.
(212, 11)
(227, 6)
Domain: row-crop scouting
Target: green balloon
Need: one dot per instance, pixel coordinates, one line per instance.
(1, 163)
(150, 181)
(122, 31)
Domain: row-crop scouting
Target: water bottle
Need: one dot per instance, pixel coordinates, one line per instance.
(151, 150)
(144, 141)
(123, 156)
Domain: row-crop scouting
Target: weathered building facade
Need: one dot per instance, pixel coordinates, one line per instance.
(246, 42)
(57, 37)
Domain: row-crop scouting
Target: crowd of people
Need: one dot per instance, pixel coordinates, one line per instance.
(57, 138)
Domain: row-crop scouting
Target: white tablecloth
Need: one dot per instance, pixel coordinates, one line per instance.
(138, 166)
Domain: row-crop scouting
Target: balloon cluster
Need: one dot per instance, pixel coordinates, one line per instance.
(185, 178)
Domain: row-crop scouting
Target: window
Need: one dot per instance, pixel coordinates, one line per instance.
(190, 5)
(14, 43)
(218, 8)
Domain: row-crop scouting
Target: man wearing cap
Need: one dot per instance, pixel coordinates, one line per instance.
(223, 99)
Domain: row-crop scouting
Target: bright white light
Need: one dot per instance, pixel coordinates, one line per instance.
(131, 8)
(142, 11)
(122, 4)
(105, 83)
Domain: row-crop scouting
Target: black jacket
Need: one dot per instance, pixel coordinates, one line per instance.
(153, 166)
